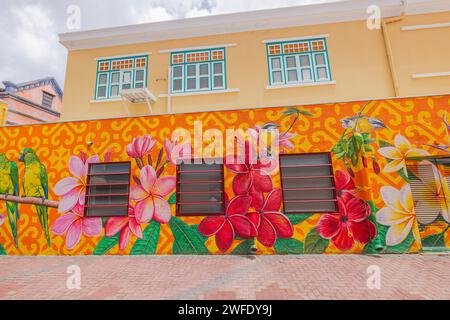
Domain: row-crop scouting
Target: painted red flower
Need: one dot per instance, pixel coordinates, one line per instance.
(269, 221)
(235, 222)
(345, 186)
(348, 225)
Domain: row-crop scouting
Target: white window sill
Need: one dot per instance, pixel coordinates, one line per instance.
(430, 75)
(194, 93)
(105, 100)
(293, 85)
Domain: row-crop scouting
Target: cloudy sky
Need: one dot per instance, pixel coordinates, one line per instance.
(29, 28)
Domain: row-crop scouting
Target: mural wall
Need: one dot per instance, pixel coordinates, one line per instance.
(43, 172)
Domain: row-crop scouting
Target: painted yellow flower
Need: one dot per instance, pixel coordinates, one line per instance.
(401, 150)
(398, 215)
(432, 193)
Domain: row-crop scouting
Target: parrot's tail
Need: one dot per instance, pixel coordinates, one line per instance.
(43, 219)
(13, 217)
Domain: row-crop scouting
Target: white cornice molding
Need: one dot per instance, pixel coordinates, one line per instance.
(199, 48)
(124, 56)
(297, 38)
(342, 11)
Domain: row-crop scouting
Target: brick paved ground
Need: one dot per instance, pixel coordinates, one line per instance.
(226, 277)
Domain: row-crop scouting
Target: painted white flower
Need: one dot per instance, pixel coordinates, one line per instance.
(401, 150)
(398, 214)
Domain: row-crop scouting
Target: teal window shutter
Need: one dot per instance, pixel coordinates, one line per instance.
(117, 74)
(297, 62)
(198, 70)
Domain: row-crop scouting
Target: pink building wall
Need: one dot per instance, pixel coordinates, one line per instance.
(25, 102)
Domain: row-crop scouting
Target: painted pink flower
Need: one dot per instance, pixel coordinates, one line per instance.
(126, 226)
(140, 146)
(72, 190)
(2, 219)
(150, 196)
(74, 224)
(284, 139)
(345, 186)
(269, 221)
(172, 155)
(235, 222)
(348, 225)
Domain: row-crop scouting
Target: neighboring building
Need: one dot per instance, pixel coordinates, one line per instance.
(296, 55)
(362, 117)
(32, 102)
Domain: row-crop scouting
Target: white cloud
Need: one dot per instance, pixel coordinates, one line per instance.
(151, 15)
(30, 47)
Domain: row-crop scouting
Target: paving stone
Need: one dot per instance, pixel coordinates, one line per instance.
(226, 277)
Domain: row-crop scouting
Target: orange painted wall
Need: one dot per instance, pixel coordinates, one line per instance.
(411, 124)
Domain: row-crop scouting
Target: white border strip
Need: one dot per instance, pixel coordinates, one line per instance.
(124, 56)
(243, 107)
(297, 38)
(426, 26)
(312, 84)
(430, 75)
(199, 48)
(194, 93)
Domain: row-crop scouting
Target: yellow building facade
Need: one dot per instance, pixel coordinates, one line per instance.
(402, 55)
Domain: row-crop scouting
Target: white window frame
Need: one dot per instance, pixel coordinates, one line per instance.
(318, 66)
(213, 74)
(103, 85)
(280, 69)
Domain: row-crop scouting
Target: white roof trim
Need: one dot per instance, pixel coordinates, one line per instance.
(124, 56)
(200, 48)
(297, 38)
(195, 93)
(314, 14)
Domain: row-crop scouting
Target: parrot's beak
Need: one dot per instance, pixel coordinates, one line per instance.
(21, 157)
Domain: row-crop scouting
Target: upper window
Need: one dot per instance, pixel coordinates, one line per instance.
(202, 70)
(200, 190)
(298, 62)
(47, 99)
(115, 75)
(108, 186)
(308, 183)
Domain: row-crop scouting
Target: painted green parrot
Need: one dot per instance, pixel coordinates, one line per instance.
(35, 184)
(9, 185)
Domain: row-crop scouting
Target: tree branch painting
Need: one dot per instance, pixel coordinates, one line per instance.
(29, 200)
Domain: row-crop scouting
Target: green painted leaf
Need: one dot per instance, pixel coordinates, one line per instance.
(402, 174)
(105, 244)
(2, 250)
(288, 246)
(435, 240)
(293, 110)
(378, 244)
(195, 228)
(243, 248)
(186, 239)
(297, 218)
(314, 243)
(147, 245)
(384, 144)
(173, 198)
